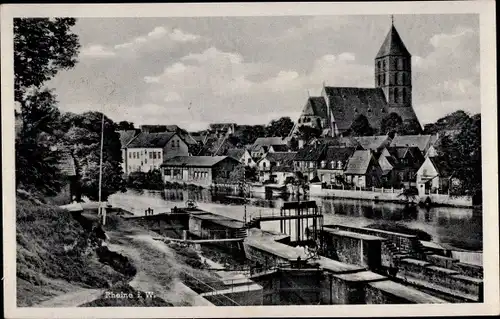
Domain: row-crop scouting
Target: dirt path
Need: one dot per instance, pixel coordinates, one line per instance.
(72, 299)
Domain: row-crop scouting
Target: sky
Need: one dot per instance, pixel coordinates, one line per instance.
(251, 70)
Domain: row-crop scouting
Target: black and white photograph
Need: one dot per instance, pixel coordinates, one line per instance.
(201, 160)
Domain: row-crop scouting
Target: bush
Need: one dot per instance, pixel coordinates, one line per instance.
(151, 180)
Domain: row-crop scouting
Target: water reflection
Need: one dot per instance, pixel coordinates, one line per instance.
(459, 227)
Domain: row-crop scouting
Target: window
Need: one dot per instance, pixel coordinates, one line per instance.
(339, 165)
(323, 164)
(173, 143)
(396, 95)
(177, 143)
(332, 164)
(400, 64)
(129, 155)
(311, 164)
(151, 155)
(264, 164)
(403, 95)
(145, 161)
(383, 79)
(154, 155)
(159, 155)
(249, 160)
(167, 172)
(383, 65)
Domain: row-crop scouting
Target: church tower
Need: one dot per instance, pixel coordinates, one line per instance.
(393, 70)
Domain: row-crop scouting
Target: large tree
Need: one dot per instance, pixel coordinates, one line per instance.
(462, 155)
(410, 127)
(247, 134)
(280, 127)
(125, 126)
(42, 47)
(452, 121)
(391, 124)
(361, 127)
(81, 134)
(306, 133)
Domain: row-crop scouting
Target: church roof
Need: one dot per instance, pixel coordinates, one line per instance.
(393, 45)
(373, 142)
(347, 103)
(316, 106)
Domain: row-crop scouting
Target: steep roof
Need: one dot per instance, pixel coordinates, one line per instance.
(393, 45)
(420, 141)
(359, 163)
(315, 106)
(235, 153)
(282, 157)
(373, 142)
(310, 153)
(268, 141)
(280, 148)
(151, 140)
(126, 136)
(347, 103)
(339, 153)
(67, 164)
(195, 161)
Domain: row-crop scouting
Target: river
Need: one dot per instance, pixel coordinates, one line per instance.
(458, 227)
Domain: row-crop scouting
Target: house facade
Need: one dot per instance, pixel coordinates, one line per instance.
(147, 151)
(433, 177)
(308, 160)
(242, 155)
(271, 163)
(363, 170)
(199, 170)
(333, 165)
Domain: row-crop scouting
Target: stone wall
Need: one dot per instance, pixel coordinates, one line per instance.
(443, 279)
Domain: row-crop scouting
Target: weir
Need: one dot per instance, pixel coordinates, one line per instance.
(309, 263)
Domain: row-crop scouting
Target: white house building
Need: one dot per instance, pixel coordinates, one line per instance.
(147, 151)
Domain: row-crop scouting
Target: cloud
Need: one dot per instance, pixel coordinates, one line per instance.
(159, 33)
(155, 39)
(97, 51)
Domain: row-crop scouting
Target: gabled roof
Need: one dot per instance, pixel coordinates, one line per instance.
(339, 153)
(217, 146)
(236, 153)
(280, 148)
(347, 103)
(310, 153)
(359, 163)
(268, 141)
(420, 141)
(393, 45)
(286, 158)
(373, 142)
(67, 164)
(126, 136)
(315, 106)
(195, 161)
(151, 140)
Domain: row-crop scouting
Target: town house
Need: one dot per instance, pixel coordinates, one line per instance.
(405, 162)
(433, 177)
(332, 166)
(363, 170)
(147, 151)
(308, 159)
(199, 170)
(276, 167)
(242, 155)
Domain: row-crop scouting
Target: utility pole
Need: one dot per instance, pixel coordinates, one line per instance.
(100, 212)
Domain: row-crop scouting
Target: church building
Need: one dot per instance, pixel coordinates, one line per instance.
(335, 110)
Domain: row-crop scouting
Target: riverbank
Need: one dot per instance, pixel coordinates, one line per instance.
(391, 195)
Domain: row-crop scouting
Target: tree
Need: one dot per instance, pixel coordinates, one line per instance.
(293, 144)
(391, 123)
(410, 127)
(247, 134)
(361, 127)
(281, 127)
(125, 126)
(307, 133)
(83, 138)
(462, 155)
(42, 47)
(451, 121)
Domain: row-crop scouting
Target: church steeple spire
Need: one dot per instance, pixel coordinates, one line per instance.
(393, 69)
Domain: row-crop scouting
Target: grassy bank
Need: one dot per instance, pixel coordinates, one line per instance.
(55, 254)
